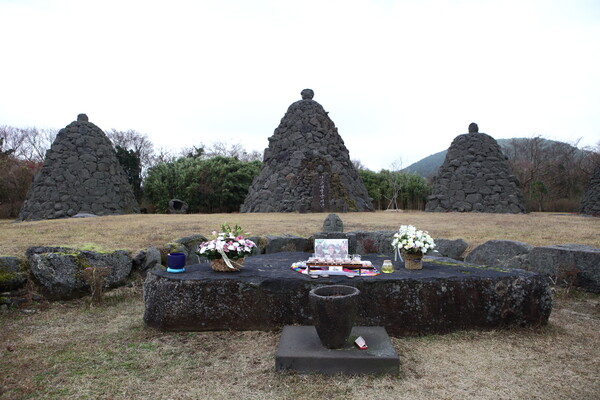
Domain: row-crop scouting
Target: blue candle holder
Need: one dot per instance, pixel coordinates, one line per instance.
(176, 263)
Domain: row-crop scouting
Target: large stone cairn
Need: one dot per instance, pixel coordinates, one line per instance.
(475, 177)
(81, 174)
(590, 203)
(306, 167)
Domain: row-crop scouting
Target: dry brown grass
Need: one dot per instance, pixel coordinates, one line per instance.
(69, 351)
(134, 232)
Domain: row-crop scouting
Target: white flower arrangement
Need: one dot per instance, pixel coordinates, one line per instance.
(410, 240)
(229, 244)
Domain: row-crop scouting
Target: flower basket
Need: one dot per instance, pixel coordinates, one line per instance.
(227, 252)
(412, 244)
(413, 260)
(219, 265)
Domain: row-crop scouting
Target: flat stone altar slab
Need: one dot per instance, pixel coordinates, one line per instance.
(444, 296)
(300, 350)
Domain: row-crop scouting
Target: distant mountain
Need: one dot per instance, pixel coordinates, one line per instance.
(428, 166)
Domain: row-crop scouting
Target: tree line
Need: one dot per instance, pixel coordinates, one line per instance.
(392, 189)
(553, 175)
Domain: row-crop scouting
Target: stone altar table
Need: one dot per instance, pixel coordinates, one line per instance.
(444, 296)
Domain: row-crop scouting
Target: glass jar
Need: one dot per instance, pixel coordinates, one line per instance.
(387, 267)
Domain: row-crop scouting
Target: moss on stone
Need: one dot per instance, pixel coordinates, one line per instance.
(467, 266)
(6, 276)
(96, 248)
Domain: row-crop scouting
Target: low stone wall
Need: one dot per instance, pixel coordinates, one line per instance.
(570, 264)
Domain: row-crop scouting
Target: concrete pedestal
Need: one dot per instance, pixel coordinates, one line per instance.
(301, 350)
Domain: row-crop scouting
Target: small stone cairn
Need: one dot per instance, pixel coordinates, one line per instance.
(475, 177)
(590, 203)
(307, 167)
(81, 174)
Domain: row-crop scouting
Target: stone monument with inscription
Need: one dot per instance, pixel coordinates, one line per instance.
(307, 167)
(590, 203)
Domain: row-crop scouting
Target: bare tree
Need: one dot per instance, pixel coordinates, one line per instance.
(163, 155)
(235, 150)
(590, 159)
(28, 144)
(395, 184)
(358, 165)
(550, 172)
(136, 141)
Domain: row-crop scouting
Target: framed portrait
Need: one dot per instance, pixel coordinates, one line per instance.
(334, 248)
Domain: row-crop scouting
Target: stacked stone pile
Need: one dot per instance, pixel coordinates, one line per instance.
(81, 174)
(475, 177)
(307, 167)
(590, 203)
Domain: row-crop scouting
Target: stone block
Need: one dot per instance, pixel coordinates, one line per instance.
(451, 248)
(498, 253)
(146, 260)
(580, 261)
(57, 269)
(446, 295)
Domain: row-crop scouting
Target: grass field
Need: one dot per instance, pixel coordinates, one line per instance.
(69, 350)
(135, 232)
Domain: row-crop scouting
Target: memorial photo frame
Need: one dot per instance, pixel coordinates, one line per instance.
(333, 248)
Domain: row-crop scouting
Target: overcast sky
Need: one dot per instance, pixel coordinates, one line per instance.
(400, 79)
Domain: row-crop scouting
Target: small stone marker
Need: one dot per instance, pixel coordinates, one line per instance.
(301, 350)
(333, 223)
(177, 206)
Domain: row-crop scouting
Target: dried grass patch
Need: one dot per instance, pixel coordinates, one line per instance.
(135, 232)
(71, 351)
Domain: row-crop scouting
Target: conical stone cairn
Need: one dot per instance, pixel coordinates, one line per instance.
(80, 175)
(475, 177)
(306, 167)
(590, 203)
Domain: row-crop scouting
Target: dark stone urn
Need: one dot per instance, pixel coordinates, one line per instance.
(334, 311)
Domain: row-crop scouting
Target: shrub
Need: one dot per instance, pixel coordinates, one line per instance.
(218, 184)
